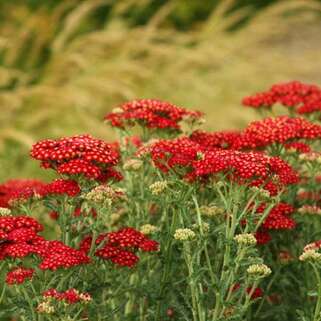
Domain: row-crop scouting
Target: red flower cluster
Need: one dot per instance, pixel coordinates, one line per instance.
(17, 234)
(168, 154)
(76, 155)
(19, 239)
(19, 189)
(215, 140)
(277, 219)
(259, 169)
(150, 113)
(262, 237)
(303, 98)
(120, 246)
(71, 296)
(280, 129)
(299, 147)
(61, 187)
(19, 275)
(56, 255)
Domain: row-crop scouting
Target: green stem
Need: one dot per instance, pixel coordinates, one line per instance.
(317, 315)
(196, 306)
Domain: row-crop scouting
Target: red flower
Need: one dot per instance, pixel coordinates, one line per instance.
(303, 98)
(61, 187)
(278, 217)
(120, 246)
(262, 237)
(215, 140)
(150, 113)
(76, 155)
(19, 275)
(17, 234)
(299, 147)
(58, 255)
(280, 129)
(71, 296)
(243, 167)
(17, 189)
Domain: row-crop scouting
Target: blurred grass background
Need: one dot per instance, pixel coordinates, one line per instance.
(65, 64)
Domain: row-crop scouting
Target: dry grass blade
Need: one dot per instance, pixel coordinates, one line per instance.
(73, 21)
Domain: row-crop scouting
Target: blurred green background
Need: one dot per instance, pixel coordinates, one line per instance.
(65, 63)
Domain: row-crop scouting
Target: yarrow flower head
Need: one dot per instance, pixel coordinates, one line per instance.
(133, 165)
(182, 156)
(158, 187)
(19, 275)
(278, 217)
(17, 234)
(310, 210)
(245, 239)
(120, 246)
(184, 234)
(310, 255)
(300, 97)
(258, 271)
(77, 155)
(149, 229)
(311, 157)
(281, 130)
(211, 211)
(215, 140)
(16, 191)
(61, 187)
(313, 246)
(297, 147)
(45, 307)
(5, 211)
(104, 195)
(57, 255)
(151, 113)
(70, 296)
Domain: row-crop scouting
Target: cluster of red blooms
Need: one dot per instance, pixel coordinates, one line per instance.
(303, 98)
(151, 113)
(61, 187)
(277, 219)
(119, 247)
(19, 275)
(280, 129)
(258, 134)
(76, 155)
(17, 234)
(215, 140)
(19, 238)
(71, 296)
(298, 147)
(261, 169)
(18, 189)
(57, 255)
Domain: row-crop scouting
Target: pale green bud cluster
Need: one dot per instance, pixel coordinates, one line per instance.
(245, 239)
(184, 234)
(158, 188)
(258, 271)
